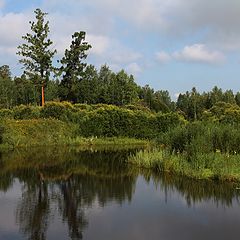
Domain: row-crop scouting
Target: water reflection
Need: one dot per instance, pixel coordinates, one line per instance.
(70, 180)
(195, 191)
(66, 182)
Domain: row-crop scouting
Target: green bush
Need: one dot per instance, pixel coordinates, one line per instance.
(1, 133)
(37, 132)
(26, 112)
(115, 121)
(6, 114)
(104, 120)
(58, 110)
(167, 121)
(82, 106)
(202, 137)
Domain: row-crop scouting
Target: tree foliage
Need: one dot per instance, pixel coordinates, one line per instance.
(36, 51)
(73, 67)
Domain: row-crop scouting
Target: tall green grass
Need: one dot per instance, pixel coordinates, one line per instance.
(198, 149)
(215, 166)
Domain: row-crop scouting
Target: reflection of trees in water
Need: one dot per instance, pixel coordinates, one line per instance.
(33, 212)
(194, 190)
(69, 182)
(72, 197)
(5, 177)
(71, 210)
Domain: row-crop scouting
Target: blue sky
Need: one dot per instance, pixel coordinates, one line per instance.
(168, 44)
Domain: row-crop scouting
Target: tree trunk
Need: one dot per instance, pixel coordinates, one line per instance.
(43, 100)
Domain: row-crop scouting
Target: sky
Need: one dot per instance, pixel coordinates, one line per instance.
(170, 45)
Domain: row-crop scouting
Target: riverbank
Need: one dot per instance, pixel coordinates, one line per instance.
(214, 166)
(52, 132)
(202, 150)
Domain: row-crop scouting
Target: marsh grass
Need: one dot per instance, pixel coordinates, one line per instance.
(217, 166)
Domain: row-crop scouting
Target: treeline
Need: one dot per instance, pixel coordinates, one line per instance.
(107, 87)
(197, 106)
(103, 86)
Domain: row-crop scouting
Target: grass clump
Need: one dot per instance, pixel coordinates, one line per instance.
(216, 166)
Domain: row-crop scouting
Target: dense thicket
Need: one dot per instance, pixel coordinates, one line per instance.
(100, 120)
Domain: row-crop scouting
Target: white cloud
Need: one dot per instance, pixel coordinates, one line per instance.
(12, 27)
(196, 53)
(123, 55)
(2, 3)
(215, 20)
(163, 57)
(134, 68)
(116, 55)
(105, 49)
(99, 43)
(199, 53)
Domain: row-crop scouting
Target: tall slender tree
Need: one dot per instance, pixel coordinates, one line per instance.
(37, 52)
(73, 67)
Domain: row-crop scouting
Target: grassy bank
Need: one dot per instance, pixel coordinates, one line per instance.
(49, 132)
(216, 166)
(204, 149)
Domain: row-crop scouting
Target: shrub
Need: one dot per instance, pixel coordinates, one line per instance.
(26, 112)
(104, 120)
(58, 110)
(6, 114)
(83, 106)
(168, 121)
(1, 133)
(37, 132)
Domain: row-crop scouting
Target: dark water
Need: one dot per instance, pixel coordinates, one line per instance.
(90, 194)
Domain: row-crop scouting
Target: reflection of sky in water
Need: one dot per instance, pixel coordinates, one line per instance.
(8, 202)
(152, 214)
(149, 216)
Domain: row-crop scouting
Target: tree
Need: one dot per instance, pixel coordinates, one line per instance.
(163, 101)
(73, 67)
(24, 91)
(147, 94)
(6, 87)
(89, 86)
(237, 98)
(5, 72)
(105, 76)
(216, 95)
(36, 52)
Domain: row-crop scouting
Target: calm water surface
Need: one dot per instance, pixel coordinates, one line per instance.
(93, 194)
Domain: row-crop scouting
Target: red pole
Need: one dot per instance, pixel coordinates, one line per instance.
(43, 100)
